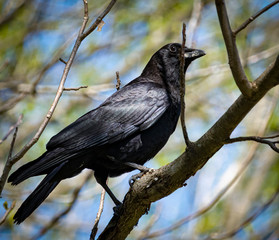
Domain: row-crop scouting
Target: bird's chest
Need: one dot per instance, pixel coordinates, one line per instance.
(146, 144)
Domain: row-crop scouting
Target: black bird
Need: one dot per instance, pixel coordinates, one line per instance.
(124, 132)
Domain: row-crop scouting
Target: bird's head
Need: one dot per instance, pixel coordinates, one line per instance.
(164, 66)
(169, 55)
(166, 60)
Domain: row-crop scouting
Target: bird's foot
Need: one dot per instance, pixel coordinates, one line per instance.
(139, 175)
(117, 209)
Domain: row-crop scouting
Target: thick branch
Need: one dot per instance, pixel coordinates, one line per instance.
(239, 75)
(162, 182)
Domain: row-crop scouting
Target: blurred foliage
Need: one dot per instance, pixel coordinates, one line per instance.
(34, 34)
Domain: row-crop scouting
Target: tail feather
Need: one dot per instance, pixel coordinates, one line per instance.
(38, 195)
(42, 165)
(23, 172)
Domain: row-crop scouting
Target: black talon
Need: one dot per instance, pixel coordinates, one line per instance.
(117, 209)
(135, 177)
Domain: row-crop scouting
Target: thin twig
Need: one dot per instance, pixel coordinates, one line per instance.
(99, 213)
(98, 20)
(263, 140)
(9, 163)
(62, 60)
(247, 221)
(252, 18)
(194, 21)
(19, 121)
(7, 16)
(3, 219)
(56, 218)
(182, 87)
(74, 89)
(118, 82)
(237, 70)
(11, 102)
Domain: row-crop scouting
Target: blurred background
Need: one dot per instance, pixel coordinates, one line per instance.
(243, 177)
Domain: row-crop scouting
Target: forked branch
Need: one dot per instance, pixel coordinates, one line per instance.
(239, 75)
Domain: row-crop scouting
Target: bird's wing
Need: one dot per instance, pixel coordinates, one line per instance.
(134, 108)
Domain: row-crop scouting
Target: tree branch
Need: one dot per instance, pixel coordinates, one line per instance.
(118, 82)
(19, 121)
(3, 219)
(263, 140)
(194, 21)
(239, 75)
(98, 20)
(182, 87)
(101, 207)
(74, 89)
(8, 164)
(252, 18)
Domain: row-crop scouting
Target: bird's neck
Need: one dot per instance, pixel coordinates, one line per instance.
(155, 71)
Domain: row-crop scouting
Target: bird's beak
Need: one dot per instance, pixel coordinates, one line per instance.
(193, 53)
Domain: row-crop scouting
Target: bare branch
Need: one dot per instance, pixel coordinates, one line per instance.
(182, 87)
(247, 220)
(252, 18)
(19, 121)
(98, 20)
(74, 89)
(6, 17)
(3, 219)
(56, 218)
(99, 213)
(194, 21)
(52, 89)
(263, 140)
(62, 60)
(118, 84)
(9, 163)
(239, 75)
(12, 102)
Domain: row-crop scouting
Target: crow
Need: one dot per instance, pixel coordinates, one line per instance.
(120, 135)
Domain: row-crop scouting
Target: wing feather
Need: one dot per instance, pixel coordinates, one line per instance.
(135, 107)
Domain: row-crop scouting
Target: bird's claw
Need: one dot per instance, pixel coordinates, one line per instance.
(144, 170)
(117, 209)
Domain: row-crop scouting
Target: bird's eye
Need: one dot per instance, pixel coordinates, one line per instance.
(173, 49)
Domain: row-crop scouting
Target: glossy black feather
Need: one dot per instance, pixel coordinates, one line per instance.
(130, 126)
